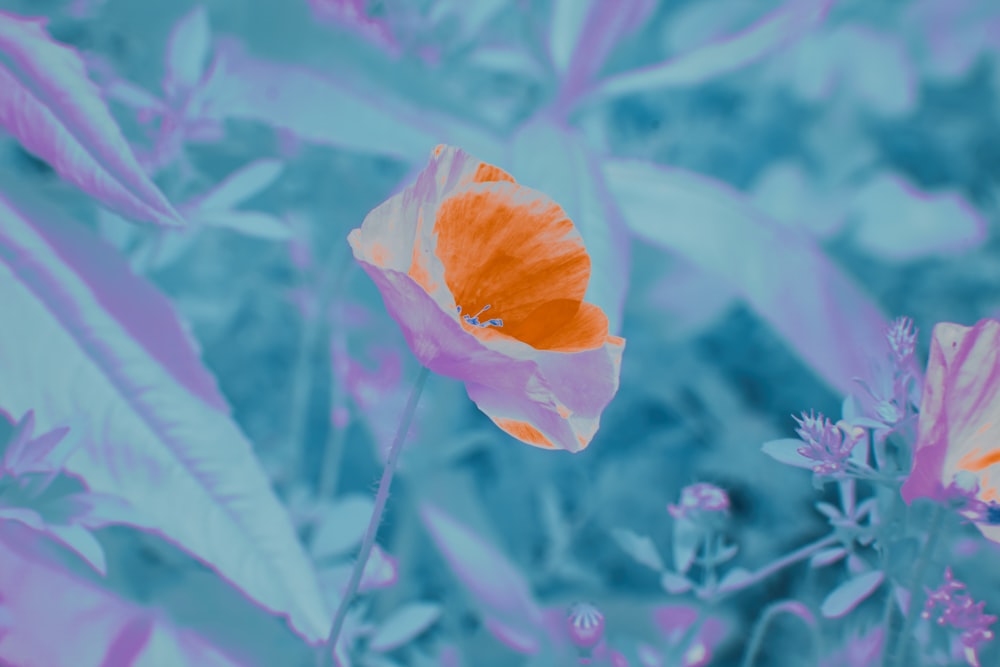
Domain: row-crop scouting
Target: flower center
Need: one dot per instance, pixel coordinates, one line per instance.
(474, 319)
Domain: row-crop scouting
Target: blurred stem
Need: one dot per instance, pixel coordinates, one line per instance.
(799, 554)
(910, 618)
(761, 627)
(380, 499)
(302, 382)
(333, 452)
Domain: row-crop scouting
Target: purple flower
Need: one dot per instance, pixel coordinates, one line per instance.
(902, 339)
(825, 442)
(700, 497)
(955, 608)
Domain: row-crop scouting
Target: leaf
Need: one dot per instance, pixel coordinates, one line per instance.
(57, 114)
(786, 450)
(188, 50)
(553, 159)
(675, 584)
(827, 557)
(94, 627)
(843, 599)
(687, 538)
(735, 579)
(583, 33)
(86, 336)
(321, 109)
(250, 223)
(639, 547)
(239, 186)
(771, 33)
(404, 625)
(783, 275)
(495, 583)
(81, 541)
(855, 61)
(341, 526)
(894, 220)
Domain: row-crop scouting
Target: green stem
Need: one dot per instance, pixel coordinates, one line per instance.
(799, 554)
(761, 627)
(923, 560)
(380, 499)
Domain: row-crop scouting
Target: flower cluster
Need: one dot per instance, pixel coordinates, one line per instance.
(957, 610)
(825, 442)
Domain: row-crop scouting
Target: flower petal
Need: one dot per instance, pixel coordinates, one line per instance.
(514, 249)
(558, 394)
(959, 423)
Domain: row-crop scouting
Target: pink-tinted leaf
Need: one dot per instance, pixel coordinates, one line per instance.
(894, 220)
(28, 517)
(62, 620)
(783, 275)
(188, 50)
(771, 33)
(80, 540)
(404, 625)
(786, 450)
(844, 598)
(495, 583)
(584, 32)
(56, 112)
(86, 336)
(554, 159)
(321, 109)
(45, 453)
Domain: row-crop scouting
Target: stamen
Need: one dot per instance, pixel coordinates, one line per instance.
(474, 319)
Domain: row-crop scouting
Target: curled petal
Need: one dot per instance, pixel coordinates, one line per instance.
(959, 428)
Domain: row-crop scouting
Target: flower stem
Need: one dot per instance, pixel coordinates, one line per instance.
(761, 627)
(790, 559)
(923, 560)
(380, 498)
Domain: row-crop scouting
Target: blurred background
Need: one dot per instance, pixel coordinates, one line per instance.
(762, 186)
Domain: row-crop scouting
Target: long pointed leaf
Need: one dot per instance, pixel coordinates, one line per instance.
(56, 112)
(77, 340)
(783, 275)
(766, 36)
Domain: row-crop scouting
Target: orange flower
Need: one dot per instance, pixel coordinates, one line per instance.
(486, 278)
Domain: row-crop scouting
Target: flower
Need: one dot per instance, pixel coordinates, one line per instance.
(959, 611)
(958, 432)
(700, 497)
(465, 239)
(825, 442)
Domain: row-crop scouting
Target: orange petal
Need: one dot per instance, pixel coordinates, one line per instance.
(524, 432)
(515, 250)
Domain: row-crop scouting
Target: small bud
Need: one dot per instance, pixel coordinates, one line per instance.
(585, 624)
